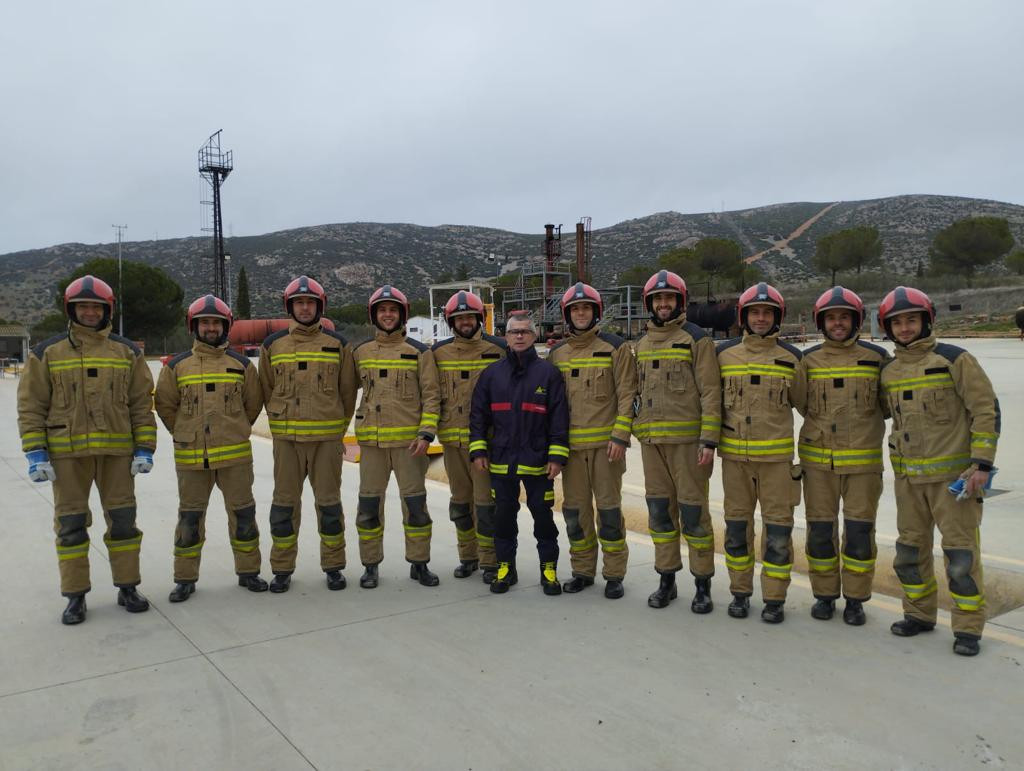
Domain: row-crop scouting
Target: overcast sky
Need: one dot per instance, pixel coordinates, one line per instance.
(503, 114)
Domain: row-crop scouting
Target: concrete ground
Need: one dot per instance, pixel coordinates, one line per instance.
(453, 677)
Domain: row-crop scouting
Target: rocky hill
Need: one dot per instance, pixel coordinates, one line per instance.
(353, 258)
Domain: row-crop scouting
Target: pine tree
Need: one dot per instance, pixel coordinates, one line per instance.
(242, 307)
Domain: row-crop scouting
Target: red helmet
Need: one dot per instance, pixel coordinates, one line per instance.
(89, 289)
(582, 293)
(839, 298)
(761, 294)
(665, 281)
(304, 286)
(209, 307)
(388, 293)
(460, 304)
(905, 299)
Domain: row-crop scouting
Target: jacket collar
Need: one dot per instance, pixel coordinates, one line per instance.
(754, 342)
(522, 360)
(916, 349)
(304, 330)
(199, 348)
(833, 345)
(667, 329)
(397, 336)
(81, 334)
(468, 341)
(582, 339)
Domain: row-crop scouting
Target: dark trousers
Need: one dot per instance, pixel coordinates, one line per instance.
(540, 496)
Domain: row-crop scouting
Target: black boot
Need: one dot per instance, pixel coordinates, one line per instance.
(853, 613)
(966, 644)
(369, 579)
(614, 589)
(74, 613)
(335, 580)
(665, 593)
(418, 571)
(772, 613)
(129, 598)
(910, 627)
(466, 569)
(182, 591)
(740, 606)
(702, 599)
(505, 577)
(488, 572)
(281, 583)
(253, 583)
(577, 584)
(823, 610)
(549, 579)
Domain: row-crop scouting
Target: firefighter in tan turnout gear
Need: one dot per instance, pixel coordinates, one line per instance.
(395, 423)
(840, 450)
(945, 426)
(600, 383)
(678, 418)
(208, 398)
(761, 381)
(85, 416)
(460, 360)
(309, 389)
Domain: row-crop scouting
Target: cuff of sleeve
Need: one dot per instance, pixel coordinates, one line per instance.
(617, 440)
(983, 465)
(425, 435)
(709, 444)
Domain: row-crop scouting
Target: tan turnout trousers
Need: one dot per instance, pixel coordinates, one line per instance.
(72, 518)
(375, 467)
(470, 507)
(194, 488)
(588, 477)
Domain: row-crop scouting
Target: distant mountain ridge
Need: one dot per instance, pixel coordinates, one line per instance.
(353, 258)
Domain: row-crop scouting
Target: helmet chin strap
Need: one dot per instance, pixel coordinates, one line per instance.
(476, 328)
(676, 313)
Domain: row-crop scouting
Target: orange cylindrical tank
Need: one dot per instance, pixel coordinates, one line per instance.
(249, 333)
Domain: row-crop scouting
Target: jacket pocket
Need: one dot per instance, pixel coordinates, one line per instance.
(867, 396)
(328, 377)
(409, 384)
(678, 374)
(941, 404)
(233, 399)
(601, 384)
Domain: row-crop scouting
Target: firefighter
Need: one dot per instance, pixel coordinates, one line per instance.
(460, 360)
(678, 420)
(395, 423)
(85, 416)
(600, 382)
(761, 381)
(945, 426)
(840, 451)
(519, 433)
(309, 388)
(208, 398)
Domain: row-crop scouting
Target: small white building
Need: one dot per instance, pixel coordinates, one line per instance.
(426, 329)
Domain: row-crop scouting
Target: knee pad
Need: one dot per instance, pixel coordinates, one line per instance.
(959, 572)
(736, 537)
(689, 515)
(572, 524)
(611, 524)
(417, 506)
(461, 514)
(330, 519)
(188, 521)
(906, 564)
(72, 530)
(658, 518)
(858, 539)
(368, 512)
(776, 544)
(122, 523)
(819, 540)
(281, 521)
(245, 523)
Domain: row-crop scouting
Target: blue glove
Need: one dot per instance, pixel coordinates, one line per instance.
(39, 468)
(142, 463)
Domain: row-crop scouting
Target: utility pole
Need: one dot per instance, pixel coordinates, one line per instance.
(120, 296)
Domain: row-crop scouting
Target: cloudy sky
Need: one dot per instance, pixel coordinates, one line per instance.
(503, 114)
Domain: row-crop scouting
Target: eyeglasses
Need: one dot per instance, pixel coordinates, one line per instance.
(517, 332)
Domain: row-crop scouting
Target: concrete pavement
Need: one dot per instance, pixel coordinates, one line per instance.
(453, 677)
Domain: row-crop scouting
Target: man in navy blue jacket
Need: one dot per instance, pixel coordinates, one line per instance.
(519, 431)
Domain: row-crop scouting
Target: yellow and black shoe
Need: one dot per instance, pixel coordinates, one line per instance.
(505, 578)
(549, 578)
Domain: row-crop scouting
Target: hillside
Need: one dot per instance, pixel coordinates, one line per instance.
(352, 258)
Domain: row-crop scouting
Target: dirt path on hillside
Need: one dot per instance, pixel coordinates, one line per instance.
(792, 236)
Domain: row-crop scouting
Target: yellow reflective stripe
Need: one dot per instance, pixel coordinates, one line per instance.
(33, 440)
(465, 536)
(429, 419)
(679, 354)
(530, 471)
(478, 444)
(388, 364)
(485, 541)
(708, 421)
(454, 434)
(938, 380)
(90, 363)
(582, 435)
(148, 432)
(225, 452)
(287, 358)
(227, 377)
(732, 446)
(559, 450)
(813, 454)
(770, 370)
(417, 532)
(745, 562)
(549, 495)
(917, 591)
(858, 566)
(73, 552)
(92, 439)
(822, 564)
(829, 373)
(498, 468)
(583, 545)
(245, 546)
(285, 541)
(584, 364)
(772, 570)
(981, 441)
(699, 541)
(370, 533)
(612, 547)
(307, 427)
(386, 434)
(666, 428)
(624, 422)
(189, 551)
(943, 464)
(452, 364)
(667, 536)
(968, 602)
(126, 544)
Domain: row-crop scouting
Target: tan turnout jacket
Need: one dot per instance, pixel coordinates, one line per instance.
(459, 364)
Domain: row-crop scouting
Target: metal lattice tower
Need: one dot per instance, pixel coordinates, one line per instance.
(214, 167)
